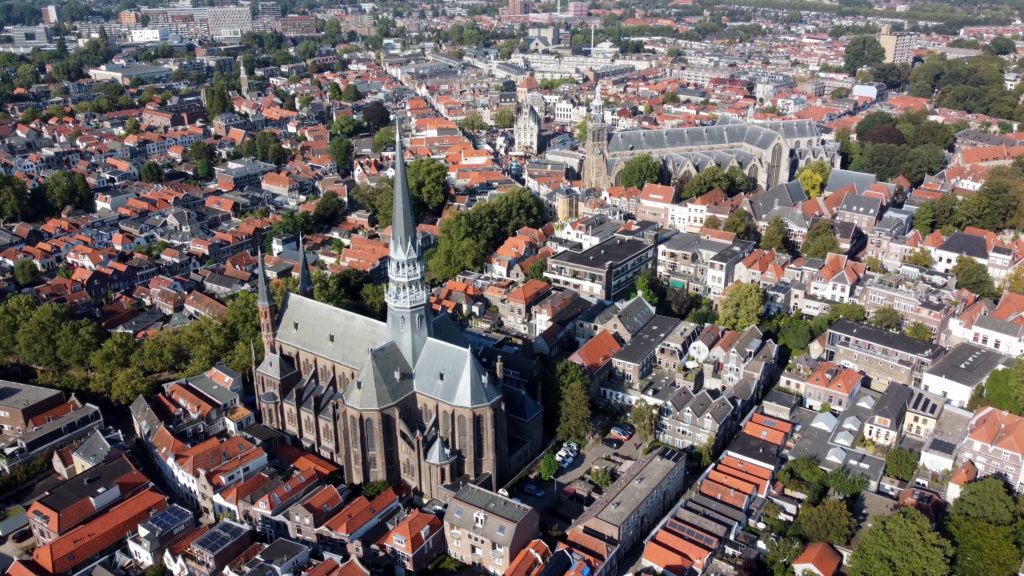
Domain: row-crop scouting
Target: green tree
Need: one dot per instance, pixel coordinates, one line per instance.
(986, 500)
(428, 184)
(707, 451)
(645, 418)
(473, 122)
(383, 139)
(15, 203)
(776, 236)
(712, 223)
(15, 312)
(504, 118)
(376, 115)
(862, 51)
(203, 156)
(919, 331)
(741, 223)
(468, 236)
(886, 318)
(830, 522)
(350, 94)
(649, 287)
(813, 177)
(901, 544)
(983, 523)
(1003, 389)
(705, 181)
(131, 126)
(26, 272)
(375, 488)
(151, 172)
(65, 189)
(640, 170)
(574, 407)
(901, 463)
(972, 275)
(581, 130)
(536, 270)
(821, 240)
(919, 257)
(1001, 46)
(372, 296)
(329, 208)
(600, 478)
(341, 150)
(548, 466)
(218, 100)
(742, 307)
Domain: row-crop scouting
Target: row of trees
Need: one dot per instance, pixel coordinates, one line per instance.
(59, 191)
(75, 354)
(467, 237)
(910, 146)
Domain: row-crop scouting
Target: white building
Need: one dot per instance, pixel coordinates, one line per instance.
(957, 374)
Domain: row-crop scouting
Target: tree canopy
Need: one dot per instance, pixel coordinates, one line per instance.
(901, 544)
(820, 241)
(574, 406)
(640, 170)
(742, 307)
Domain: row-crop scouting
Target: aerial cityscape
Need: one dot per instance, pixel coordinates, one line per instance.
(512, 288)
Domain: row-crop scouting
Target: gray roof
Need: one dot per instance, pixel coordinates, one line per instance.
(966, 244)
(968, 364)
(646, 340)
(886, 339)
(635, 314)
(404, 240)
(276, 366)
(786, 194)
(997, 325)
(306, 324)
(696, 137)
(94, 449)
(384, 380)
(491, 504)
(453, 375)
(839, 179)
(18, 396)
(861, 205)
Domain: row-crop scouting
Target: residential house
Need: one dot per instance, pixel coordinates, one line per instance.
(885, 357)
(488, 530)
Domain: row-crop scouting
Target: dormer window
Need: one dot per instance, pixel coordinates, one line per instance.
(478, 519)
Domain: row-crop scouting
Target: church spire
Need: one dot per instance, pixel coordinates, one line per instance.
(265, 307)
(403, 225)
(408, 313)
(305, 280)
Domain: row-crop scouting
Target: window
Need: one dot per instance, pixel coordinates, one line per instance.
(478, 519)
(399, 540)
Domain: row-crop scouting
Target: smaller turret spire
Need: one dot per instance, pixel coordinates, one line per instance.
(305, 280)
(263, 298)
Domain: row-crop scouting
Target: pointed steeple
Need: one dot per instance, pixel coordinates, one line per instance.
(305, 280)
(263, 300)
(407, 298)
(403, 226)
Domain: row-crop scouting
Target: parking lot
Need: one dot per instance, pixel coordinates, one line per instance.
(556, 508)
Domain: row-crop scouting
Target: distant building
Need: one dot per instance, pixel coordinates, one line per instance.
(606, 271)
(229, 21)
(899, 46)
(50, 16)
(527, 131)
(124, 74)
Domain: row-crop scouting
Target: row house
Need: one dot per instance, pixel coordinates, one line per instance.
(703, 263)
(837, 279)
(309, 514)
(345, 532)
(996, 327)
(414, 542)
(268, 514)
(885, 357)
(486, 529)
(981, 245)
(995, 446)
(928, 298)
(823, 384)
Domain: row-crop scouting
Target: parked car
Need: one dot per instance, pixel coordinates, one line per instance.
(22, 536)
(533, 490)
(571, 447)
(565, 460)
(622, 431)
(613, 442)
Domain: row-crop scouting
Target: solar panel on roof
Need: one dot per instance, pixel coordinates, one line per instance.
(943, 446)
(691, 534)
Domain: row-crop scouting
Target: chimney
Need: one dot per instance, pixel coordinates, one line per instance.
(499, 369)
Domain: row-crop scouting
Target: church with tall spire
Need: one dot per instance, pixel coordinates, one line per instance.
(406, 401)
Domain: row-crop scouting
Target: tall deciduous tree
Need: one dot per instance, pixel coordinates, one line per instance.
(504, 118)
(902, 544)
(428, 184)
(776, 236)
(645, 418)
(821, 240)
(901, 463)
(341, 150)
(742, 307)
(973, 275)
(829, 521)
(574, 407)
(640, 170)
(813, 177)
(862, 51)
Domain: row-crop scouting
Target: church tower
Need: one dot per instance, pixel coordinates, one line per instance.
(305, 280)
(409, 322)
(595, 166)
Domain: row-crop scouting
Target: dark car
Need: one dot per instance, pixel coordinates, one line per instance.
(612, 442)
(22, 536)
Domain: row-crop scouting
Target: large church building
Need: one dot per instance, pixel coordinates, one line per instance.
(769, 153)
(407, 400)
